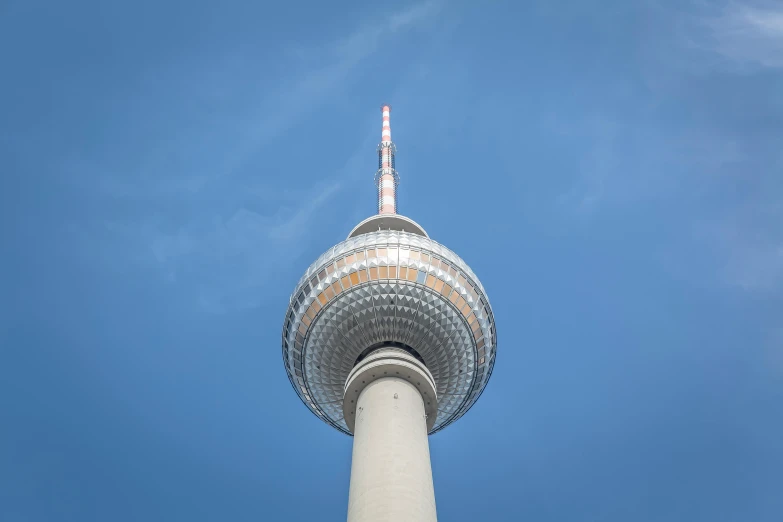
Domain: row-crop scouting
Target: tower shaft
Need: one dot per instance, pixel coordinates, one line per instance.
(391, 474)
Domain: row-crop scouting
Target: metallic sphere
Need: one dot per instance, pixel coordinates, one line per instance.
(389, 287)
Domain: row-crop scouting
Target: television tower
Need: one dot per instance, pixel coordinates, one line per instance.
(389, 337)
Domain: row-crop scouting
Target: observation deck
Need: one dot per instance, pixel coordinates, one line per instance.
(389, 283)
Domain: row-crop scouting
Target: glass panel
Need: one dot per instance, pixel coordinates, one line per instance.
(460, 302)
(336, 287)
(412, 274)
(381, 252)
(322, 298)
(354, 279)
(463, 281)
(438, 285)
(403, 272)
(360, 255)
(340, 263)
(430, 280)
(302, 329)
(471, 318)
(350, 259)
(452, 272)
(384, 272)
(371, 253)
(454, 296)
(421, 277)
(330, 270)
(322, 275)
(306, 321)
(415, 255)
(314, 281)
(329, 292)
(316, 306)
(404, 253)
(346, 282)
(363, 276)
(446, 290)
(393, 255)
(374, 273)
(392, 272)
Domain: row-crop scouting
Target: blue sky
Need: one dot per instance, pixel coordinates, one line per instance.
(170, 168)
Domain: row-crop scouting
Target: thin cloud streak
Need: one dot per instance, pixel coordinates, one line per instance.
(749, 247)
(733, 245)
(745, 33)
(232, 252)
(311, 88)
(234, 257)
(239, 139)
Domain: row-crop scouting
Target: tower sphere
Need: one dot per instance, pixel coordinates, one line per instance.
(388, 284)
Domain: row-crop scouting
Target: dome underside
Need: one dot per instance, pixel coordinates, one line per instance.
(381, 287)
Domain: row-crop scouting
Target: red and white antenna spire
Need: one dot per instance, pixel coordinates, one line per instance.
(386, 178)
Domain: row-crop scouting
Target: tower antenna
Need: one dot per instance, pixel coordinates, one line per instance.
(386, 178)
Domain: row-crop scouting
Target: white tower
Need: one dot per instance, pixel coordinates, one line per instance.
(389, 337)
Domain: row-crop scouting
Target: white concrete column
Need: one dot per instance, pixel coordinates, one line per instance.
(390, 405)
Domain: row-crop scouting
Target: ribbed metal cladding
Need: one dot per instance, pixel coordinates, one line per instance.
(389, 286)
(386, 178)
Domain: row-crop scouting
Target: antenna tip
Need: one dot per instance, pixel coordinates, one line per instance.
(385, 107)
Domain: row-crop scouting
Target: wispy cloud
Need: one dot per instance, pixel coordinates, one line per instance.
(716, 166)
(225, 259)
(748, 247)
(245, 228)
(774, 351)
(240, 112)
(243, 232)
(732, 241)
(597, 169)
(748, 33)
(297, 96)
